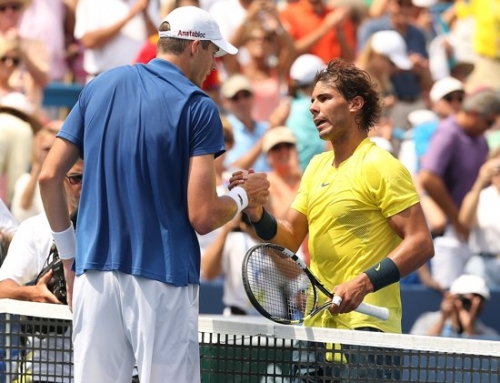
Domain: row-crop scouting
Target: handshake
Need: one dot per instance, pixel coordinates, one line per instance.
(250, 191)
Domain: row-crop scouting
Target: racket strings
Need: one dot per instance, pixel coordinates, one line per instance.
(277, 283)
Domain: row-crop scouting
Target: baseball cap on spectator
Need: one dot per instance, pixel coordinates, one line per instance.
(194, 23)
(234, 84)
(277, 135)
(445, 86)
(17, 104)
(424, 3)
(305, 67)
(392, 45)
(470, 284)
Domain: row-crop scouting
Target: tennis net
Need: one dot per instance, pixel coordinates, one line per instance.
(35, 346)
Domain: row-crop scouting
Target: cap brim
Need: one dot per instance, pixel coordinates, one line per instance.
(224, 48)
(402, 62)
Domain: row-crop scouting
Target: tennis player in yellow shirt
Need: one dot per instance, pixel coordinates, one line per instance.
(357, 203)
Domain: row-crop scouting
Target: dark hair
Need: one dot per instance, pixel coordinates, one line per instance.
(173, 44)
(351, 81)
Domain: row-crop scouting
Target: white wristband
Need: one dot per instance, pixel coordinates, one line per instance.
(66, 242)
(239, 195)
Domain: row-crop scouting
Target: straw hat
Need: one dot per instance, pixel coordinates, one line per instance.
(17, 104)
(24, 3)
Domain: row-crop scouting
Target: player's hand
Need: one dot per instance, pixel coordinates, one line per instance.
(239, 177)
(257, 188)
(351, 293)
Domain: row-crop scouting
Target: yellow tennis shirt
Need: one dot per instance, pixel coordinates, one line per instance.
(347, 210)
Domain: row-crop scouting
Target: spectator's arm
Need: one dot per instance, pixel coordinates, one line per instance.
(36, 293)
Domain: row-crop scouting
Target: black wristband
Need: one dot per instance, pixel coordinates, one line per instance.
(383, 274)
(267, 227)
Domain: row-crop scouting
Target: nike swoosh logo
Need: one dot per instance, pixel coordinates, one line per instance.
(325, 184)
(377, 269)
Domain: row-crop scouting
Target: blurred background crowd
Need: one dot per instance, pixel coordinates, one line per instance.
(436, 62)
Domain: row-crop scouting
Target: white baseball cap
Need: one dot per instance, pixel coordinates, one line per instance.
(194, 23)
(470, 284)
(424, 3)
(445, 86)
(392, 45)
(305, 67)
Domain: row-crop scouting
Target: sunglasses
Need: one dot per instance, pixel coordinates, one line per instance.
(15, 61)
(14, 7)
(266, 39)
(454, 97)
(75, 179)
(243, 94)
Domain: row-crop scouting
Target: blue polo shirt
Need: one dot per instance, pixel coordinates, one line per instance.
(137, 128)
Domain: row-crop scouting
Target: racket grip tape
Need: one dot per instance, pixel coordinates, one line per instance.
(374, 311)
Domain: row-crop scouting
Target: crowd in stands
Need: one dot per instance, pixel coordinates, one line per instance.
(436, 62)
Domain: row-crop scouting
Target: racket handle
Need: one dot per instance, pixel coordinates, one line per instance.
(374, 311)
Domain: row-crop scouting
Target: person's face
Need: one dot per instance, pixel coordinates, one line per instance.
(403, 11)
(204, 62)
(10, 14)
(259, 43)
(241, 103)
(279, 156)
(449, 104)
(331, 112)
(73, 184)
(9, 61)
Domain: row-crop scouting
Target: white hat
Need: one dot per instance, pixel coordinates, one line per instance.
(235, 84)
(305, 68)
(445, 86)
(194, 23)
(277, 135)
(470, 284)
(392, 45)
(422, 116)
(424, 3)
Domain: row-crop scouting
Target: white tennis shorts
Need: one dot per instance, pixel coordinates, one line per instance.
(121, 319)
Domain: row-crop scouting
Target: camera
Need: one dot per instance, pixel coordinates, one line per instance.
(466, 302)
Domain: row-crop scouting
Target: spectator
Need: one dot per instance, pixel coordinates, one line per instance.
(32, 76)
(447, 176)
(238, 100)
(270, 55)
(113, 32)
(294, 112)
(8, 227)
(410, 87)
(26, 201)
(320, 30)
(10, 60)
(384, 54)
(486, 35)
(28, 255)
(53, 23)
(460, 312)
(480, 212)
(285, 174)
(224, 257)
(18, 125)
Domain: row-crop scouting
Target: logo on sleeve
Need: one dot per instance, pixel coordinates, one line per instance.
(377, 268)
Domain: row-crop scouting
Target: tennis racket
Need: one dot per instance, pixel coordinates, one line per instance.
(281, 287)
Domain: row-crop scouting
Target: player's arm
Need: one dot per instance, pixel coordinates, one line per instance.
(208, 211)
(58, 162)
